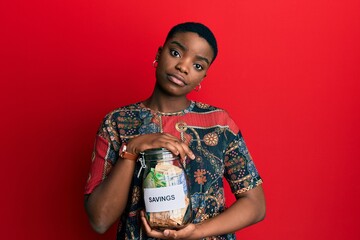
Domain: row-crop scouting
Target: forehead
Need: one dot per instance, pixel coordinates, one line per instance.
(193, 42)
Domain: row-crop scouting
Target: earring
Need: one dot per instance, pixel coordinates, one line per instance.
(155, 63)
(197, 88)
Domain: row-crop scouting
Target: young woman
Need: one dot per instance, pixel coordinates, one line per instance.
(205, 137)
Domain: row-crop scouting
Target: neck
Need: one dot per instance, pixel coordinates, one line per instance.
(166, 104)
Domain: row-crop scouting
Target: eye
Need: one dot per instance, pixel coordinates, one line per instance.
(174, 53)
(198, 67)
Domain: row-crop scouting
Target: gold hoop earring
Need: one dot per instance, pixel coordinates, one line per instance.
(197, 88)
(155, 63)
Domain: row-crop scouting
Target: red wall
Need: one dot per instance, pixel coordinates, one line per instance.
(287, 71)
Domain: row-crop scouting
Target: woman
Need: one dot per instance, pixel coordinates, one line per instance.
(202, 135)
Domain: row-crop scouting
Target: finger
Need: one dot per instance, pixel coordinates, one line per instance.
(183, 150)
(170, 145)
(170, 142)
(164, 140)
(144, 221)
(187, 151)
(181, 147)
(149, 231)
(184, 233)
(150, 141)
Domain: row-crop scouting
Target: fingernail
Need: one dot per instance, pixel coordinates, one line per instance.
(166, 233)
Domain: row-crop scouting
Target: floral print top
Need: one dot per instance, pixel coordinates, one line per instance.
(212, 135)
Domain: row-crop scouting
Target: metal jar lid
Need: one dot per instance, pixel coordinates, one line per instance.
(159, 154)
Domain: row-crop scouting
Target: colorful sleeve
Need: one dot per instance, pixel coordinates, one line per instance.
(240, 170)
(104, 155)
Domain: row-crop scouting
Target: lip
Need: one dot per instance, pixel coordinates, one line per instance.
(177, 79)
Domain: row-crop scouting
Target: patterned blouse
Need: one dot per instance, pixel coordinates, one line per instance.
(212, 135)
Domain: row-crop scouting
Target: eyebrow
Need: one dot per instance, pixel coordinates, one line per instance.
(185, 49)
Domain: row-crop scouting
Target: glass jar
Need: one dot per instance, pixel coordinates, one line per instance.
(166, 190)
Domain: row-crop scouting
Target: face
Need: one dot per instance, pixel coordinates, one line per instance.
(182, 63)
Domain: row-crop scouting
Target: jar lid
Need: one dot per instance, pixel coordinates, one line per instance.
(159, 154)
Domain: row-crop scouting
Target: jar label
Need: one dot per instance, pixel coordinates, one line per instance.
(164, 198)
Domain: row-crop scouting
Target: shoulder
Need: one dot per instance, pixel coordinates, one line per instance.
(119, 120)
(219, 115)
(123, 111)
(204, 107)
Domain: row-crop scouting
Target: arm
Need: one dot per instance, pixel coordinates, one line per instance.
(248, 209)
(108, 200)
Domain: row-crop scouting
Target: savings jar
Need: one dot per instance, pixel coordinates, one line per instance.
(165, 190)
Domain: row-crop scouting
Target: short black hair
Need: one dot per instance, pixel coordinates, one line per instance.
(199, 28)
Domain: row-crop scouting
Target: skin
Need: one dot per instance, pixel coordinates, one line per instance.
(183, 62)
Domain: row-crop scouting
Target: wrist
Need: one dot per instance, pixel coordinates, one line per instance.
(131, 148)
(125, 153)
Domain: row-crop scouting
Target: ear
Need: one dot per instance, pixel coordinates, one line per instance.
(204, 76)
(158, 53)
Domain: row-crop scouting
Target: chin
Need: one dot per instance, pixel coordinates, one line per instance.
(172, 90)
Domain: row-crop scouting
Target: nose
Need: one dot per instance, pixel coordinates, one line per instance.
(181, 66)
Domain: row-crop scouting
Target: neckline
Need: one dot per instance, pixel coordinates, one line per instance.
(182, 112)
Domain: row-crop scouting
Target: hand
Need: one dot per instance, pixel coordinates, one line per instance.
(160, 140)
(184, 233)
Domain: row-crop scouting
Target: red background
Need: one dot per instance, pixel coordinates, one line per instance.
(287, 71)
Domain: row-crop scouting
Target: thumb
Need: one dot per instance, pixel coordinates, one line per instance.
(170, 234)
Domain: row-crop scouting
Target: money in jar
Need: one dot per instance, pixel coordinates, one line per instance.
(165, 190)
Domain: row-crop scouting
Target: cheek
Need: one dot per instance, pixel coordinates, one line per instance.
(198, 77)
